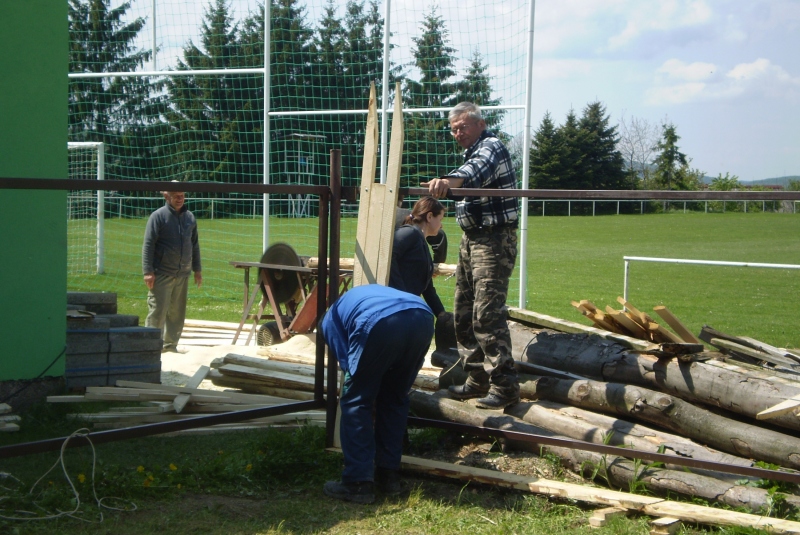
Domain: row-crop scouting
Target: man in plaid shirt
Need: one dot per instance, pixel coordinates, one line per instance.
(486, 258)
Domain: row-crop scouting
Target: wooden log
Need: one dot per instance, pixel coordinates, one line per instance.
(551, 322)
(693, 381)
(582, 424)
(674, 414)
(618, 472)
(226, 396)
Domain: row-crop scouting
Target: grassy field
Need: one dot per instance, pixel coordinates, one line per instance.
(266, 482)
(569, 258)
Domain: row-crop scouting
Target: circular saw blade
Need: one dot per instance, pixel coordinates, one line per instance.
(284, 282)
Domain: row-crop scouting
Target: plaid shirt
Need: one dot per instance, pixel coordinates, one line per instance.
(487, 164)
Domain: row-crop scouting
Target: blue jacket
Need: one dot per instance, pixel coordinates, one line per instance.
(346, 326)
(170, 244)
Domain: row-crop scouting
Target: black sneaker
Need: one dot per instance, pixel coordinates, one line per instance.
(496, 401)
(467, 391)
(388, 482)
(358, 492)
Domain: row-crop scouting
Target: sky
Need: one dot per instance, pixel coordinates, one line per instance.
(725, 73)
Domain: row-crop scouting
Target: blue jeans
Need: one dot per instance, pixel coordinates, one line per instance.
(392, 357)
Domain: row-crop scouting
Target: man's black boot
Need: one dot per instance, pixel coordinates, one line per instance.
(495, 400)
(503, 392)
(476, 386)
(388, 482)
(358, 492)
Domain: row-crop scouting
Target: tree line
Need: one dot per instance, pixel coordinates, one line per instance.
(211, 128)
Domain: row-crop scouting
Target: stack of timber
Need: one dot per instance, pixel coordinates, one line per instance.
(8, 421)
(637, 324)
(144, 403)
(209, 333)
(103, 346)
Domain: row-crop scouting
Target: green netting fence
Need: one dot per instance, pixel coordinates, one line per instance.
(175, 90)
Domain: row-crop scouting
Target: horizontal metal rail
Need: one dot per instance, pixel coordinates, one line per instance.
(629, 259)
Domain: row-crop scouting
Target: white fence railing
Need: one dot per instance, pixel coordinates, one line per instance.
(629, 259)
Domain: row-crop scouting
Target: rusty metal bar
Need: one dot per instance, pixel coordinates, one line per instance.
(101, 437)
(335, 247)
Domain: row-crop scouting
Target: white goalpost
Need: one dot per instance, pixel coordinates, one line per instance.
(85, 209)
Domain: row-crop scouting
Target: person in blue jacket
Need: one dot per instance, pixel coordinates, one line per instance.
(379, 336)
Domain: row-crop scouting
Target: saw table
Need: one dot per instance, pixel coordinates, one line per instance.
(300, 316)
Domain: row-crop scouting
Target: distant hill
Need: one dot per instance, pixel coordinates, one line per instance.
(777, 181)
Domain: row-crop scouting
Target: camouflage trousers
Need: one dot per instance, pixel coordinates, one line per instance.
(485, 263)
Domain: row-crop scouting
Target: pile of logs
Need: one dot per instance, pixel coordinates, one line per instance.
(578, 383)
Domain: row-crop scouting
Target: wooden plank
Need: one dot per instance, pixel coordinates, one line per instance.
(303, 369)
(391, 191)
(270, 377)
(249, 385)
(772, 350)
(5, 408)
(183, 398)
(750, 352)
(631, 326)
(676, 325)
(664, 526)
(558, 324)
(635, 314)
(601, 517)
(643, 504)
(784, 407)
(232, 397)
(369, 164)
(663, 334)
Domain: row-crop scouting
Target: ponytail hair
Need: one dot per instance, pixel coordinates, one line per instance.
(422, 207)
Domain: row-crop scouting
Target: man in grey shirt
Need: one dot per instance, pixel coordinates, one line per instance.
(171, 251)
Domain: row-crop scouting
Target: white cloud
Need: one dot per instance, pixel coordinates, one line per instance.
(679, 83)
(552, 69)
(666, 15)
(694, 72)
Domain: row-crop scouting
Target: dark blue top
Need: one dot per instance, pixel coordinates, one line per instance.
(347, 324)
(412, 266)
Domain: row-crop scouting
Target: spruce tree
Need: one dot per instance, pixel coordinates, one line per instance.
(428, 135)
(602, 166)
(122, 112)
(670, 160)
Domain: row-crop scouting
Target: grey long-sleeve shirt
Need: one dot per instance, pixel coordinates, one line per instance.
(170, 243)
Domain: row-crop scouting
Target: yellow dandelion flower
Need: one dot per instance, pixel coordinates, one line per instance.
(179, 485)
(248, 467)
(220, 452)
(172, 467)
(81, 478)
(140, 469)
(150, 477)
(146, 483)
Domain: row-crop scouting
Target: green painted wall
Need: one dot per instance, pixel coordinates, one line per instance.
(33, 227)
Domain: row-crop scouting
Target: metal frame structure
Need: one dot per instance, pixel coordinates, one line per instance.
(329, 255)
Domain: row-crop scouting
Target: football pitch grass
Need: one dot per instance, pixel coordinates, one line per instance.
(569, 258)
